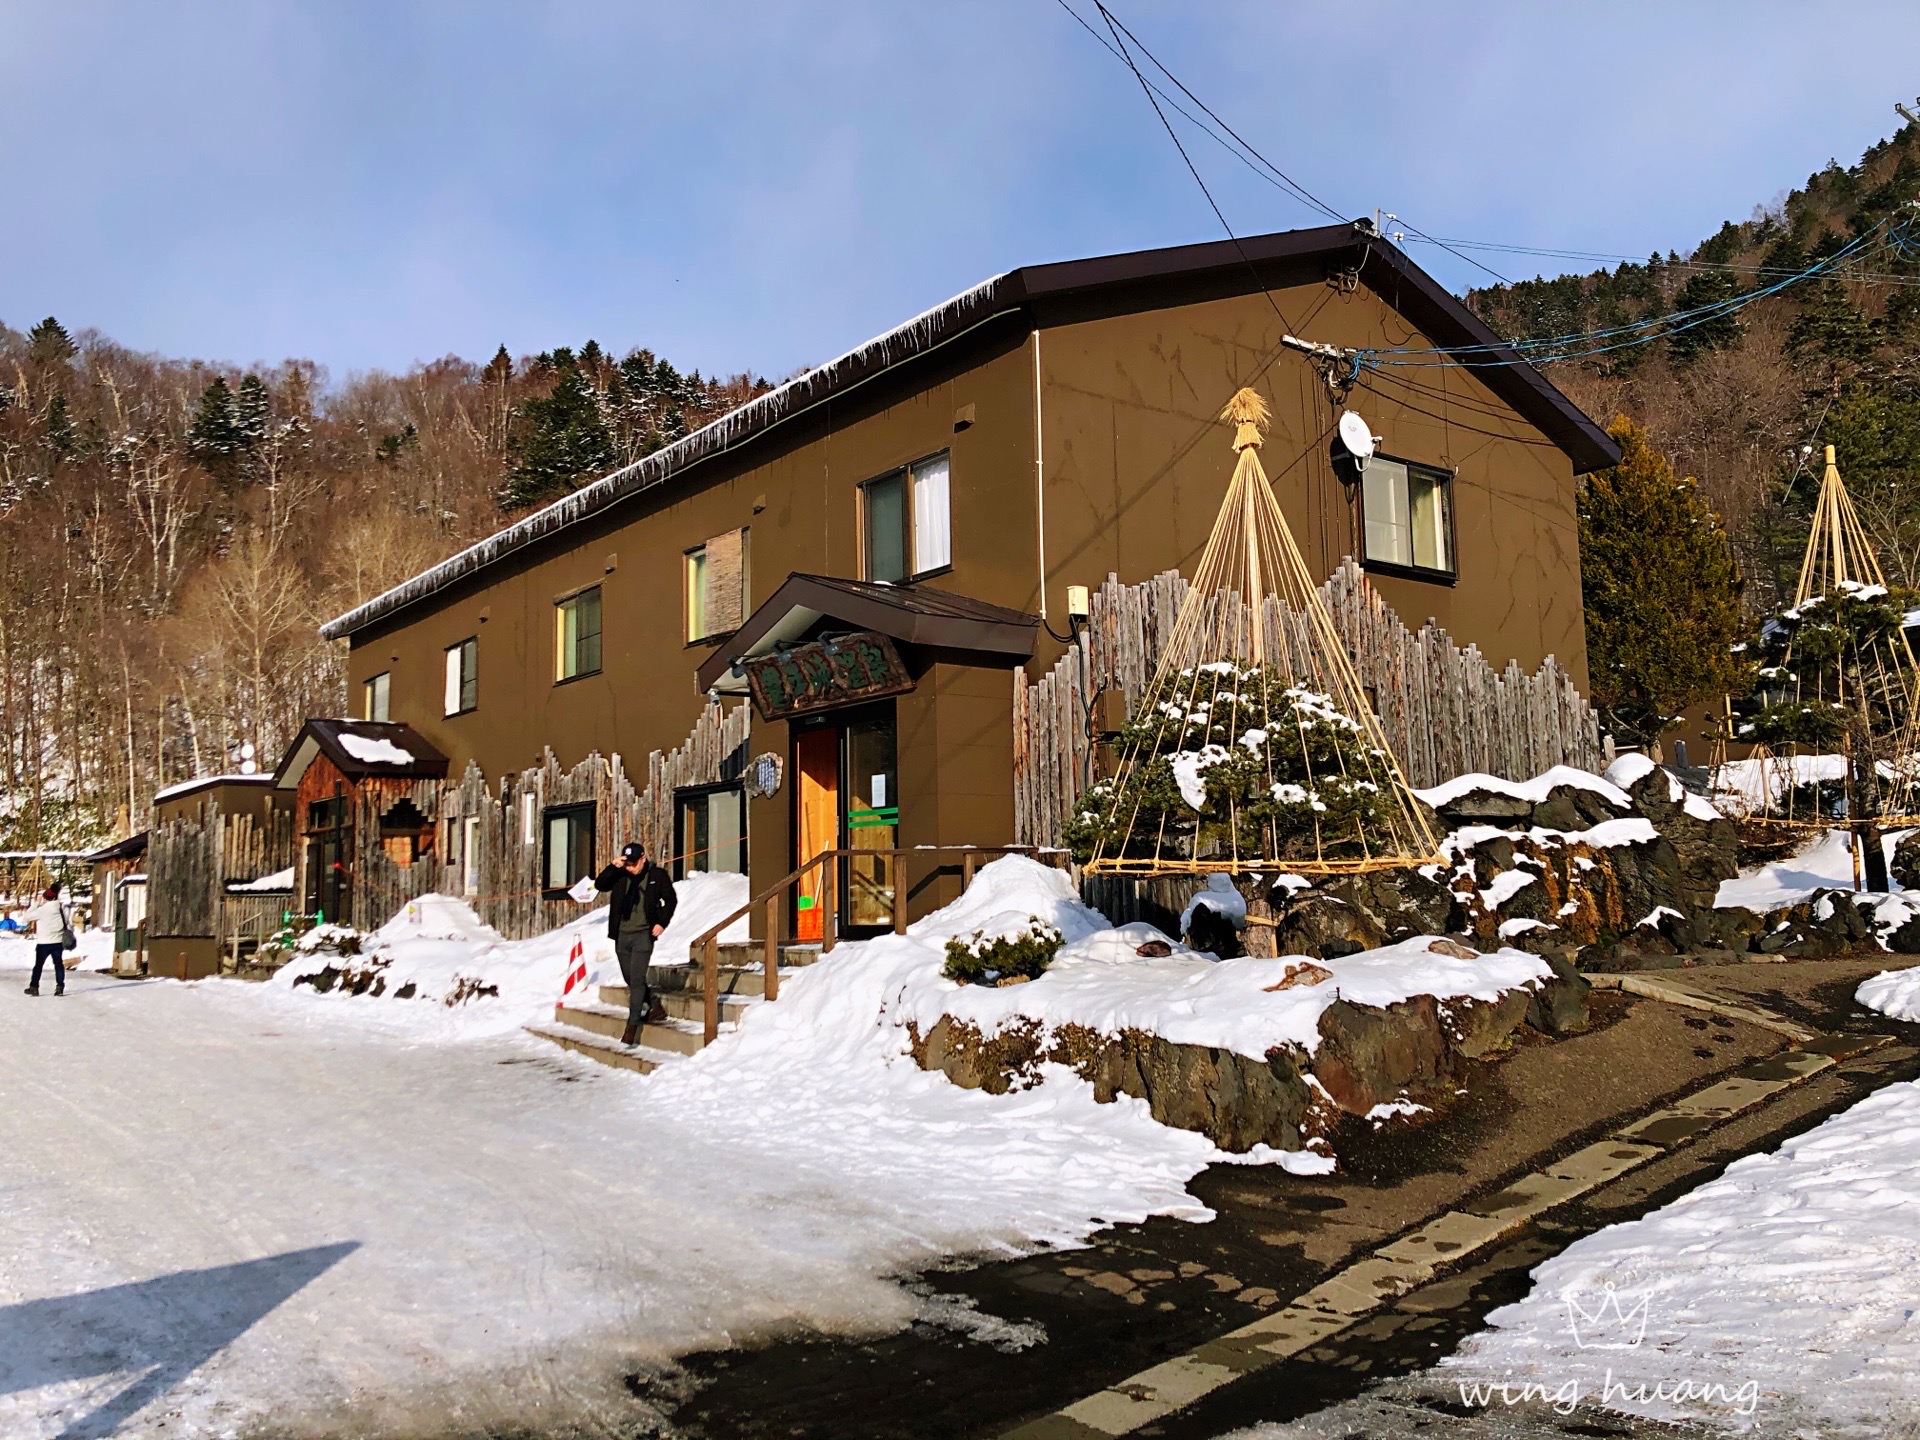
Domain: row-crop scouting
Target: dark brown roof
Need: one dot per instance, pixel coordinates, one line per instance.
(335, 739)
(131, 848)
(1137, 280)
(914, 614)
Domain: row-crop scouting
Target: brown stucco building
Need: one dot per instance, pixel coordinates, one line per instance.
(942, 487)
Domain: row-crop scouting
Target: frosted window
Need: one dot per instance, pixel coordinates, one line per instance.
(932, 535)
(379, 696)
(887, 528)
(1388, 535)
(697, 594)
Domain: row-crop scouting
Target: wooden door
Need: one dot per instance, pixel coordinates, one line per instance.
(816, 760)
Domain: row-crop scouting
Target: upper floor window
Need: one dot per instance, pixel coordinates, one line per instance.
(378, 693)
(907, 524)
(1406, 514)
(463, 677)
(716, 575)
(576, 631)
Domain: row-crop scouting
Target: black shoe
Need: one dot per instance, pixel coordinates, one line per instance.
(627, 1035)
(657, 1015)
(59, 989)
(33, 989)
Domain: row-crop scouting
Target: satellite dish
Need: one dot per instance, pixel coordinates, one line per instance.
(1355, 435)
(247, 767)
(246, 751)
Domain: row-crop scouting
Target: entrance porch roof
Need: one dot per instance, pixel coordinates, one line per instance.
(911, 614)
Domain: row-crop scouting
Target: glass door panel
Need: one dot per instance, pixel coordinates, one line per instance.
(873, 821)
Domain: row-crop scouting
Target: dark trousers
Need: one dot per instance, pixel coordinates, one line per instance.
(51, 951)
(635, 953)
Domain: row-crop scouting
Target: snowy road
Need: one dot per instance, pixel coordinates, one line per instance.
(234, 1209)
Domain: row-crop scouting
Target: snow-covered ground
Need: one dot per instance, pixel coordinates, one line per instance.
(379, 1216)
(1781, 1295)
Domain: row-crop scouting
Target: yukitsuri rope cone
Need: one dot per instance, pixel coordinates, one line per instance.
(1254, 750)
(1837, 679)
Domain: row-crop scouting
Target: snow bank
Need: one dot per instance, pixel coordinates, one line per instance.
(1533, 792)
(447, 954)
(1893, 992)
(1826, 863)
(1100, 982)
(1787, 1283)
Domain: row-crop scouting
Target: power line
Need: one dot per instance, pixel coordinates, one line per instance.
(1192, 169)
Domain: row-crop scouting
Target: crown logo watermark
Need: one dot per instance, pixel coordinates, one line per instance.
(1609, 1325)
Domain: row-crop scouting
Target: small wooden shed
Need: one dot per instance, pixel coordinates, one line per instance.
(352, 786)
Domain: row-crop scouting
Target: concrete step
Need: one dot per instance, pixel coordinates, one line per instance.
(641, 1059)
(747, 953)
(679, 1036)
(691, 979)
(683, 1004)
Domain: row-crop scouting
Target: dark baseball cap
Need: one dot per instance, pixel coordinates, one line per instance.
(633, 850)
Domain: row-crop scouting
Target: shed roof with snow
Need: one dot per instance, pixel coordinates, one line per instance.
(362, 748)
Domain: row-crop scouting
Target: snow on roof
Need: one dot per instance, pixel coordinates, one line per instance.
(717, 435)
(373, 750)
(1533, 791)
(200, 781)
(278, 881)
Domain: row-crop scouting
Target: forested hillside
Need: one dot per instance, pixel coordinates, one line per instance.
(171, 532)
(1744, 401)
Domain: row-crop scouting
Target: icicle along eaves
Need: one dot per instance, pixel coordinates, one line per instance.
(932, 328)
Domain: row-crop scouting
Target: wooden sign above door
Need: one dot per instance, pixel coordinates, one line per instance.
(825, 674)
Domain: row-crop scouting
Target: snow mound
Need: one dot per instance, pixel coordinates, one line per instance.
(1893, 992)
(438, 950)
(374, 749)
(1787, 1283)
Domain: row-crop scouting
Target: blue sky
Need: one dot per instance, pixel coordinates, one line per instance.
(761, 186)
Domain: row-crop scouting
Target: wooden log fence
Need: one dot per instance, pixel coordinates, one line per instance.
(504, 881)
(1444, 709)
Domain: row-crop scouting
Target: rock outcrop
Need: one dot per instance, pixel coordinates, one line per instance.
(1366, 1056)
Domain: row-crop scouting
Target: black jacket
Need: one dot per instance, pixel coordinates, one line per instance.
(652, 883)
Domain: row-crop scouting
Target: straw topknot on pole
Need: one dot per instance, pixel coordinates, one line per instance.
(1248, 410)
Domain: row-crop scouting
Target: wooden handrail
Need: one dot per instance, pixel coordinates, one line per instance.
(828, 861)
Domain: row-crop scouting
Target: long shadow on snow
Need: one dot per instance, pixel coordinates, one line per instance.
(164, 1329)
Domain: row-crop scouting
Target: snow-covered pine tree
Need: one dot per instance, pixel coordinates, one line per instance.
(1234, 760)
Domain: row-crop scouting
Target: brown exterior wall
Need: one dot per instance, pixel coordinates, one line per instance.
(1135, 464)
(258, 799)
(183, 957)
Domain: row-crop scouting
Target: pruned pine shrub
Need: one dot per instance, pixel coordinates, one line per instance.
(1237, 761)
(982, 961)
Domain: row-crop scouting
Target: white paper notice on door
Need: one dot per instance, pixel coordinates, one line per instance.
(879, 792)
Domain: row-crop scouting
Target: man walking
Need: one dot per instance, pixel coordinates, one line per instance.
(641, 907)
(50, 934)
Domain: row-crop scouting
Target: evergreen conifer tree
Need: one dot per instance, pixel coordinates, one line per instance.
(252, 411)
(1661, 591)
(49, 344)
(560, 440)
(215, 438)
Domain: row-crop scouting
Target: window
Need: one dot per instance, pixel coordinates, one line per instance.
(717, 586)
(378, 689)
(711, 829)
(1407, 517)
(908, 524)
(576, 627)
(470, 856)
(569, 847)
(463, 677)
